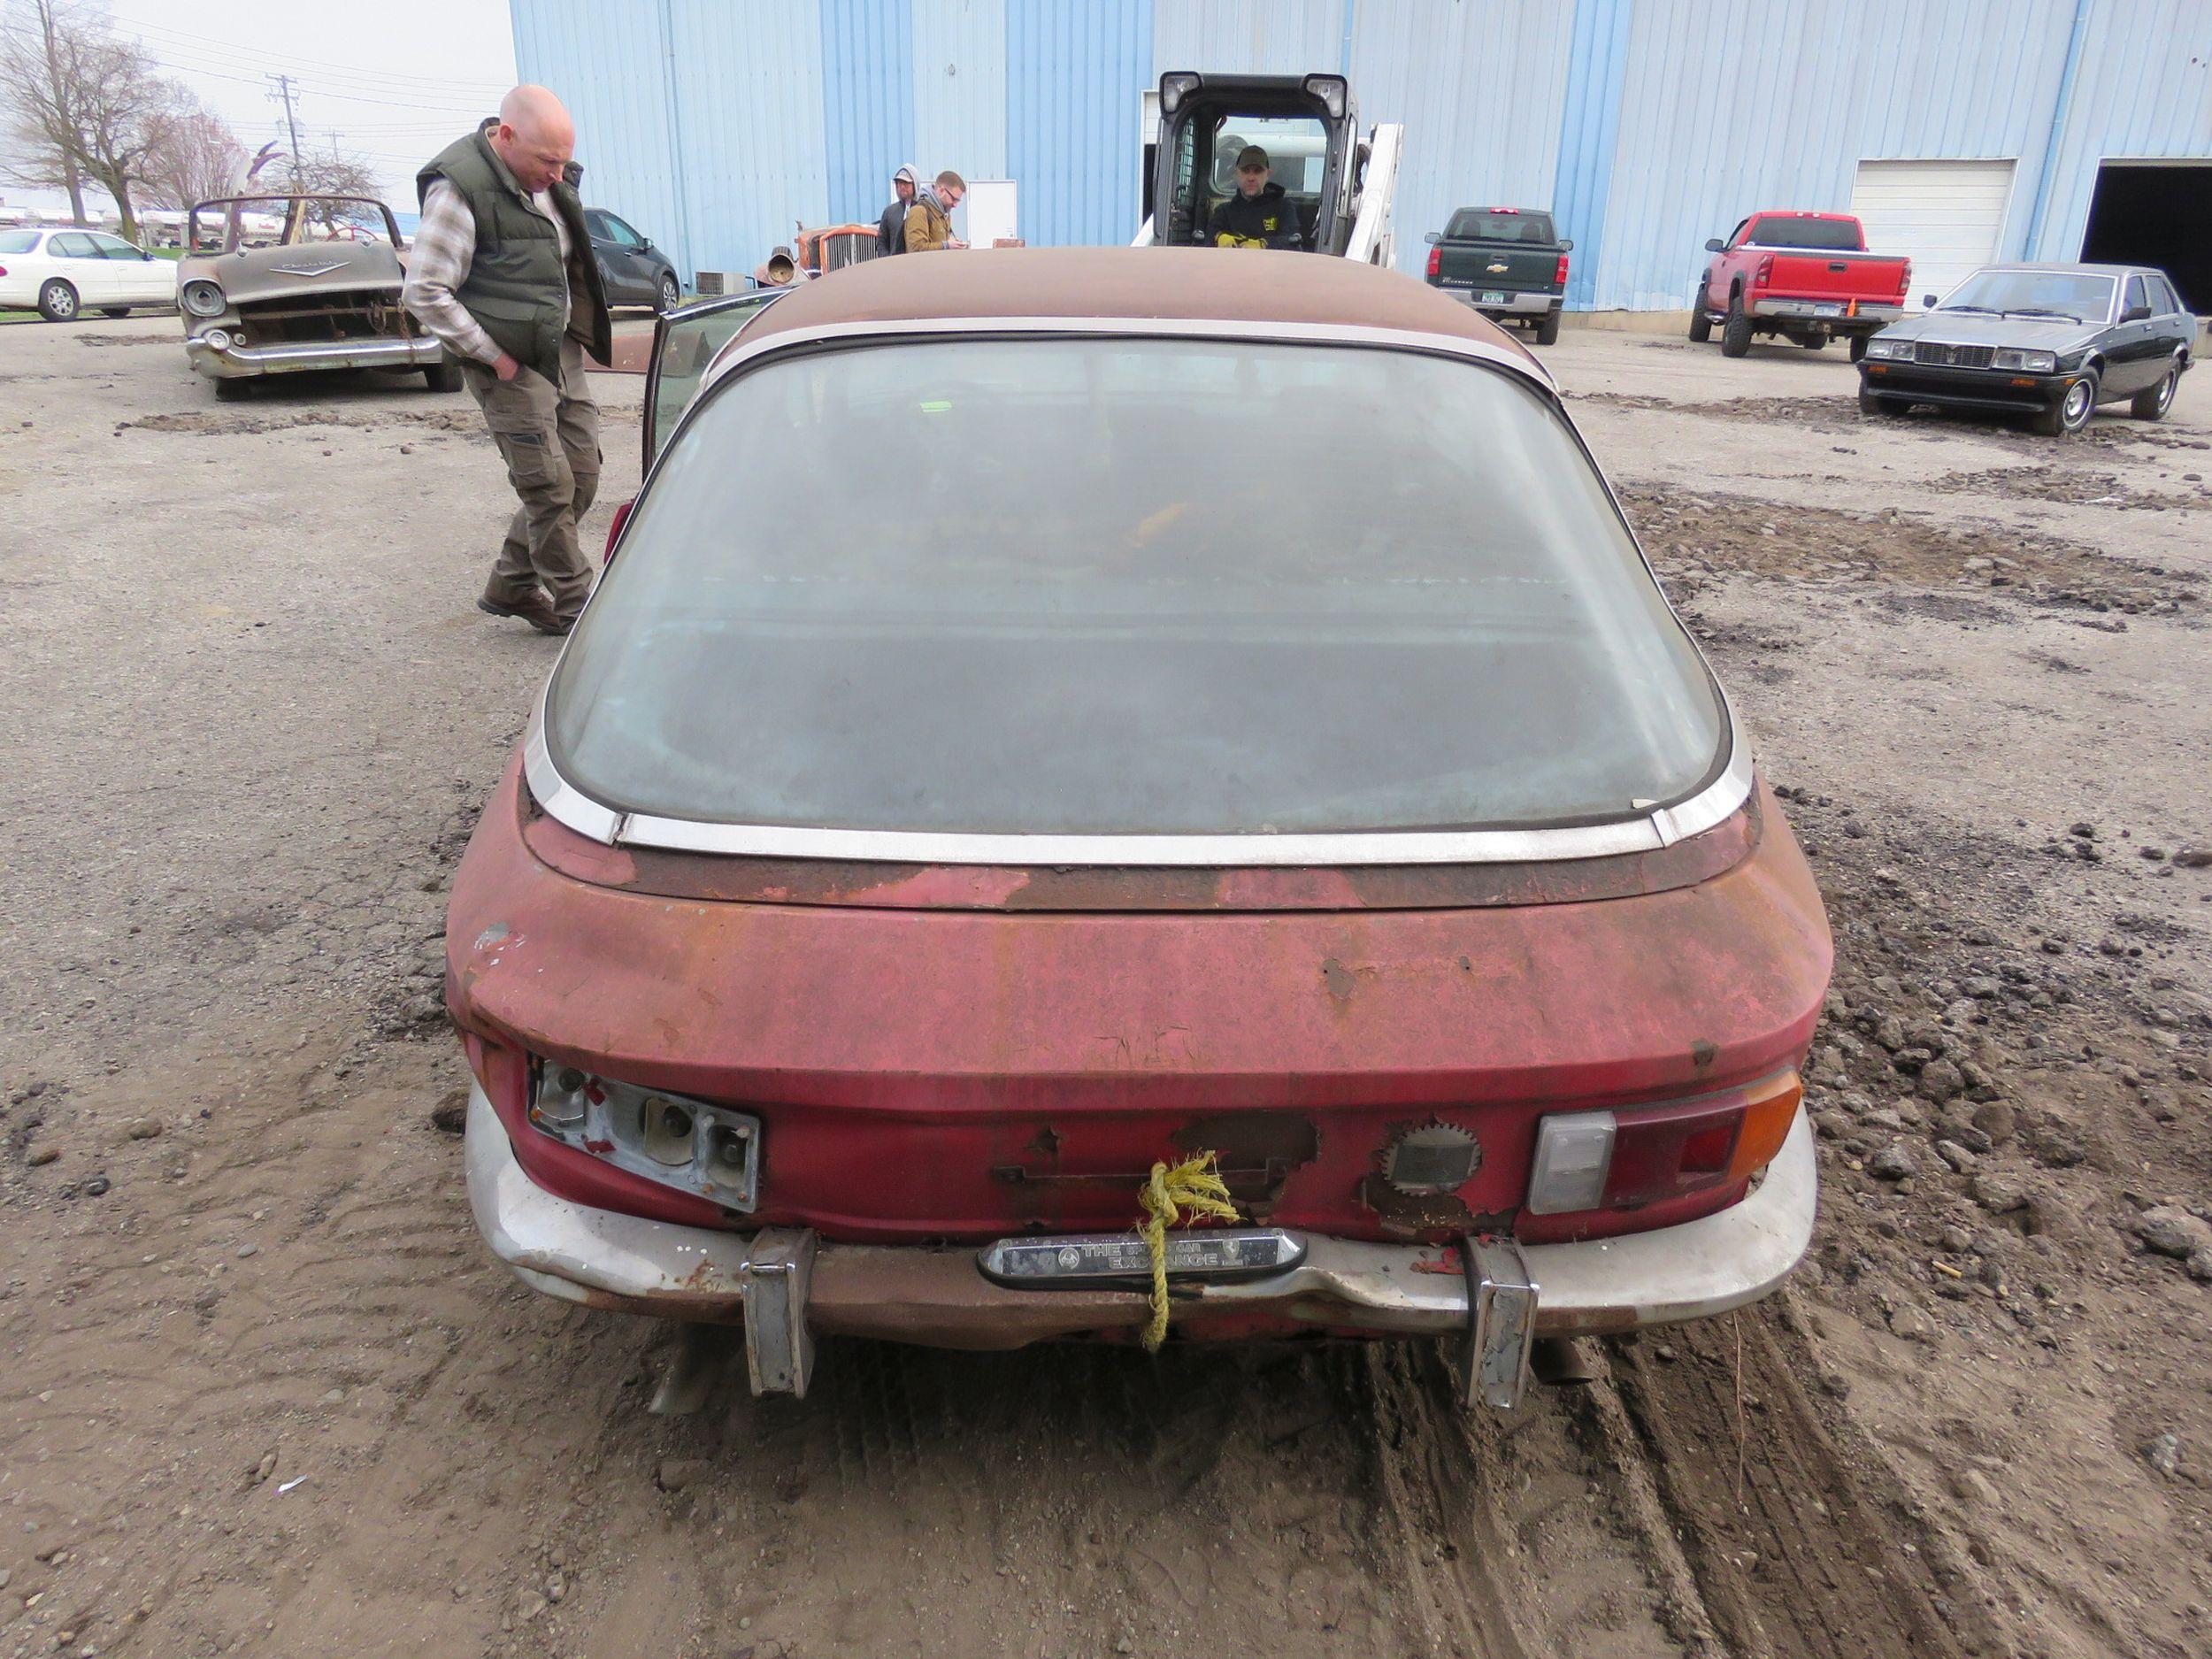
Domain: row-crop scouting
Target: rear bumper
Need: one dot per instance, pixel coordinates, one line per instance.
(1537, 303)
(1836, 313)
(2005, 389)
(937, 1296)
(231, 360)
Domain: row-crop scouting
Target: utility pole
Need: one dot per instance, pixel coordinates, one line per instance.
(62, 115)
(285, 89)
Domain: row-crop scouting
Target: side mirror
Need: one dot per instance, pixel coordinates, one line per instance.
(646, 242)
(1567, 245)
(148, 258)
(2136, 314)
(1714, 244)
(1433, 237)
(1928, 300)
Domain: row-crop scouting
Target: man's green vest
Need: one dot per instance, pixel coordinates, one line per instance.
(514, 287)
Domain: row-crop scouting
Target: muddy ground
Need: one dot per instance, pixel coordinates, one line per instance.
(262, 1392)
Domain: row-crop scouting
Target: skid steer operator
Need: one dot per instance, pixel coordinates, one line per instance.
(1260, 214)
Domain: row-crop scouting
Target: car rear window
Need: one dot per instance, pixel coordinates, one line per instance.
(1128, 586)
(1785, 231)
(1480, 223)
(18, 241)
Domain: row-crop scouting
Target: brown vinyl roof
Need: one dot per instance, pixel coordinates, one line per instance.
(1199, 284)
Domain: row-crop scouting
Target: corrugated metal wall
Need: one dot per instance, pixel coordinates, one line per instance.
(1650, 125)
(1075, 70)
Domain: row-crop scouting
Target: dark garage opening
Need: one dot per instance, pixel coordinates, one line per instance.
(2155, 213)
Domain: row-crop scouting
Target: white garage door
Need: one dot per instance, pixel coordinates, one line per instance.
(1946, 215)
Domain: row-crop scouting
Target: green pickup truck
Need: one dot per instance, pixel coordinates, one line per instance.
(1506, 262)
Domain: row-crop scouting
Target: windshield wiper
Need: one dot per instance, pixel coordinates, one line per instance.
(2031, 311)
(1986, 311)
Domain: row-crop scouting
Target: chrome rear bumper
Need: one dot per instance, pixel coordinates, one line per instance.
(232, 360)
(939, 1297)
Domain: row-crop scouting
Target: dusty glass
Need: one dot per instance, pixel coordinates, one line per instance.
(1110, 586)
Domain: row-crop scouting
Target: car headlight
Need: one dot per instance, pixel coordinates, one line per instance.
(2034, 362)
(1878, 347)
(202, 298)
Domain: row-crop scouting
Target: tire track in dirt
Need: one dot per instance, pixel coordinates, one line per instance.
(1801, 1548)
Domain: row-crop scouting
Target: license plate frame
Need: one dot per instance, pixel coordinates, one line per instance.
(1828, 310)
(1493, 296)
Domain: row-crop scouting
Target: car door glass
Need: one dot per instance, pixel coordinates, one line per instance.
(72, 245)
(114, 248)
(2136, 296)
(684, 343)
(620, 234)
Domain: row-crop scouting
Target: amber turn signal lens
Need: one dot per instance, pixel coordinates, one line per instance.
(1770, 1108)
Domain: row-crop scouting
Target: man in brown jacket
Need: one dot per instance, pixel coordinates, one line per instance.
(929, 221)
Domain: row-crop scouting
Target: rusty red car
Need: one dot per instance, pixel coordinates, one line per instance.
(1218, 711)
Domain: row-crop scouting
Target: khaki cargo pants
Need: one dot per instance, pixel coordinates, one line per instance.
(549, 436)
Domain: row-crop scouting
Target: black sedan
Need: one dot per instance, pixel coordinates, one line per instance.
(2049, 340)
(635, 272)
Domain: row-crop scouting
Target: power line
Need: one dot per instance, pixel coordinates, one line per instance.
(325, 68)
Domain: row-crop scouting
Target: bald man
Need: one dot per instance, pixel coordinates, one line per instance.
(501, 272)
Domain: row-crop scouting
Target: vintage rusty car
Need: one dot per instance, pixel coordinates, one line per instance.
(1224, 710)
(280, 285)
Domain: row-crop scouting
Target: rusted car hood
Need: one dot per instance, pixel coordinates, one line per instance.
(255, 274)
(956, 1072)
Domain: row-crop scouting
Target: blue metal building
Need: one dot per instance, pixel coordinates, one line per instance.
(1963, 129)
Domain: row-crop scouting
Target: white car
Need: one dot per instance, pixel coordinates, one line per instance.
(59, 273)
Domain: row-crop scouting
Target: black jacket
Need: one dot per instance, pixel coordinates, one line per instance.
(1269, 219)
(891, 229)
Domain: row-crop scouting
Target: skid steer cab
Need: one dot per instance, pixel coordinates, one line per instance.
(1339, 181)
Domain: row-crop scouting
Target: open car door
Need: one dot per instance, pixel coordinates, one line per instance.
(684, 341)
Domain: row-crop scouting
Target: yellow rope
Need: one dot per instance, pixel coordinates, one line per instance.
(1193, 1185)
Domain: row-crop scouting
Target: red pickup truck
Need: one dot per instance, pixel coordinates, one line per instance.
(1806, 276)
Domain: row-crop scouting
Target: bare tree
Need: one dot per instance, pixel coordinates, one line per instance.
(198, 157)
(77, 101)
(334, 173)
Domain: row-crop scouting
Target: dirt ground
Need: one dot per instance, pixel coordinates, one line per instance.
(261, 1391)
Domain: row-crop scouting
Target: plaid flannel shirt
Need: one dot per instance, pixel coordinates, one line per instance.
(439, 262)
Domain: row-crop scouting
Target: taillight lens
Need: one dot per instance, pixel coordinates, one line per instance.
(614, 528)
(1560, 275)
(1765, 270)
(1639, 1155)
(1904, 277)
(1436, 261)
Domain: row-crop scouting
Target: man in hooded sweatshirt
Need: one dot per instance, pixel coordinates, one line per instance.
(891, 229)
(929, 221)
(1259, 215)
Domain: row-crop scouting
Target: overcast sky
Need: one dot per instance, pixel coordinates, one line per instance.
(395, 80)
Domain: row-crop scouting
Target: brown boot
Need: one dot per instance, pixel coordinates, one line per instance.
(537, 611)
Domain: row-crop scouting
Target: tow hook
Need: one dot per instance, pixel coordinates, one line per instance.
(1492, 1367)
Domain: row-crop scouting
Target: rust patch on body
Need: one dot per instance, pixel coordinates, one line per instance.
(1339, 979)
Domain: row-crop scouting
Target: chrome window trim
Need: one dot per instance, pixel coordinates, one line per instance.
(740, 349)
(1649, 831)
(1651, 828)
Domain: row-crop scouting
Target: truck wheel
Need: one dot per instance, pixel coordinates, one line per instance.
(57, 302)
(231, 391)
(1814, 342)
(1547, 331)
(2073, 409)
(1701, 316)
(1858, 347)
(1873, 403)
(1735, 332)
(2152, 402)
(442, 377)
